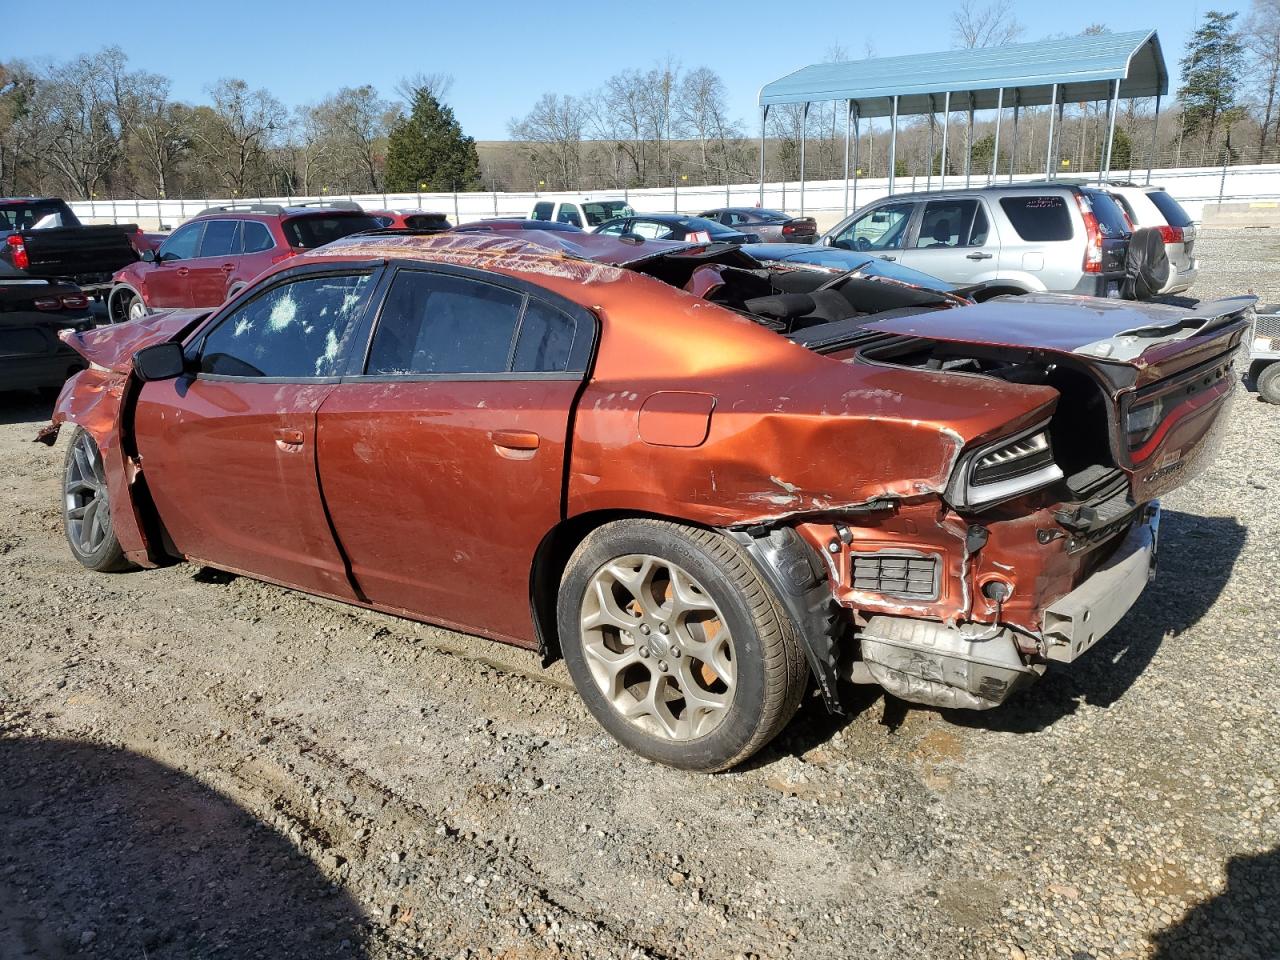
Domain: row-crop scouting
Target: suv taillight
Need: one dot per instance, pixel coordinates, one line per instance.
(1170, 234)
(18, 251)
(75, 301)
(1093, 236)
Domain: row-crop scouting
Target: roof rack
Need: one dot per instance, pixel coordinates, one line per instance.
(276, 209)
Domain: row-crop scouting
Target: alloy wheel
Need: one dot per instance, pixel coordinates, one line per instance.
(85, 492)
(658, 647)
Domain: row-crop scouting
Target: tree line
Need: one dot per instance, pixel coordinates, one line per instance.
(93, 126)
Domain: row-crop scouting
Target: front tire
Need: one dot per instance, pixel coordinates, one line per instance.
(86, 512)
(676, 645)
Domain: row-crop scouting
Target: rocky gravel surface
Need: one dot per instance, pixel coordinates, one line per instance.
(198, 765)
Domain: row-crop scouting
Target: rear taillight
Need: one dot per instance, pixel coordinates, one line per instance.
(1170, 234)
(48, 303)
(788, 229)
(75, 301)
(1093, 236)
(18, 251)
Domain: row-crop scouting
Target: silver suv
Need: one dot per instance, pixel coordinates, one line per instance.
(1022, 238)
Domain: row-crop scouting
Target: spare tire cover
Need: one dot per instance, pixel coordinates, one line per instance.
(1146, 268)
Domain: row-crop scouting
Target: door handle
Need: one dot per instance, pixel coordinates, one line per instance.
(288, 439)
(515, 439)
(978, 256)
(183, 271)
(228, 267)
(889, 258)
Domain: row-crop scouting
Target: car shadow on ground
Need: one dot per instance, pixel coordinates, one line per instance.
(1197, 555)
(1241, 923)
(21, 406)
(107, 853)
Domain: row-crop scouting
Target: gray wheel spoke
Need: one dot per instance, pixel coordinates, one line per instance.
(644, 611)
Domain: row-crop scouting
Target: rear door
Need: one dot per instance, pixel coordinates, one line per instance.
(955, 241)
(230, 452)
(168, 279)
(1046, 238)
(214, 262)
(443, 463)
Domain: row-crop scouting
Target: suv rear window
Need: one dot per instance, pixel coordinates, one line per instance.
(1170, 207)
(1111, 221)
(315, 230)
(1038, 218)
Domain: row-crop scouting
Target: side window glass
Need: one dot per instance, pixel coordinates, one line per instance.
(256, 237)
(650, 230)
(221, 238)
(542, 211)
(981, 228)
(298, 329)
(569, 215)
(883, 228)
(183, 243)
(548, 341)
(946, 223)
(614, 229)
(434, 323)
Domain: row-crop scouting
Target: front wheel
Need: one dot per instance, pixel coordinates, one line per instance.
(676, 645)
(86, 512)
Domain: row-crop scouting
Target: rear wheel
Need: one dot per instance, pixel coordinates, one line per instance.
(1269, 383)
(86, 512)
(676, 645)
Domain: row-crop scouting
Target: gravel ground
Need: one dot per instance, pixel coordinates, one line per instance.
(200, 765)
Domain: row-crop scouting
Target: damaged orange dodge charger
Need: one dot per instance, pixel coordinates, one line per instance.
(701, 478)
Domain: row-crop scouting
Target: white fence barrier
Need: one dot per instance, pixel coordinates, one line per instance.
(825, 200)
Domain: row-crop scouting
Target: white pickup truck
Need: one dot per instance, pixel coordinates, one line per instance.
(583, 212)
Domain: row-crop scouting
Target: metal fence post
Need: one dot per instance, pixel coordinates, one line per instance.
(457, 218)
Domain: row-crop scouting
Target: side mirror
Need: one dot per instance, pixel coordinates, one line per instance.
(828, 242)
(148, 256)
(160, 361)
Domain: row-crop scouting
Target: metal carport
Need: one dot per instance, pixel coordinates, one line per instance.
(1097, 67)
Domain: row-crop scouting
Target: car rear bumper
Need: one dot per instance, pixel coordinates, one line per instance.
(32, 355)
(32, 372)
(1099, 285)
(978, 666)
(1181, 276)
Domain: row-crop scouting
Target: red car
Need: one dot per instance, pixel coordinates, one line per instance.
(419, 220)
(215, 254)
(700, 478)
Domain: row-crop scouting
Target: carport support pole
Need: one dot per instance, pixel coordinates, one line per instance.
(1013, 151)
(1155, 131)
(995, 150)
(1112, 109)
(804, 135)
(933, 116)
(848, 130)
(968, 145)
(946, 125)
(764, 115)
(855, 159)
(893, 144)
(1048, 150)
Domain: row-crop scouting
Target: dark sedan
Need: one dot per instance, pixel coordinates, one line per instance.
(771, 226)
(32, 313)
(513, 223)
(674, 226)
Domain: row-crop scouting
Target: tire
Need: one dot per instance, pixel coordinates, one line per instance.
(86, 512)
(1268, 382)
(723, 669)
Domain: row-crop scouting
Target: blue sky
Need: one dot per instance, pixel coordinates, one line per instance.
(503, 55)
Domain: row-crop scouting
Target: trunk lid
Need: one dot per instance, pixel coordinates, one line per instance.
(1166, 371)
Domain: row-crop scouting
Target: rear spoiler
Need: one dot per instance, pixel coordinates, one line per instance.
(1204, 317)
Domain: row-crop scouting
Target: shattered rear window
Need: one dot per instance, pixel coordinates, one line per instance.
(296, 330)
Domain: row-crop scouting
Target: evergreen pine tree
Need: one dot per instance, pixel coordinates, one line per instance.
(429, 147)
(1211, 70)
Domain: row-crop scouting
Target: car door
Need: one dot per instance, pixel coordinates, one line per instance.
(167, 278)
(955, 241)
(210, 270)
(230, 451)
(443, 463)
(882, 230)
(258, 252)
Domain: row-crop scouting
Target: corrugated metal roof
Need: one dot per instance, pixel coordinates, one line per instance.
(1084, 67)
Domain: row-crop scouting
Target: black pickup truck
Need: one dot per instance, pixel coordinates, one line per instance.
(41, 237)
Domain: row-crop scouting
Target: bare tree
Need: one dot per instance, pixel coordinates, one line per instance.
(553, 132)
(359, 120)
(702, 111)
(162, 133)
(992, 25)
(618, 116)
(243, 123)
(1262, 40)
